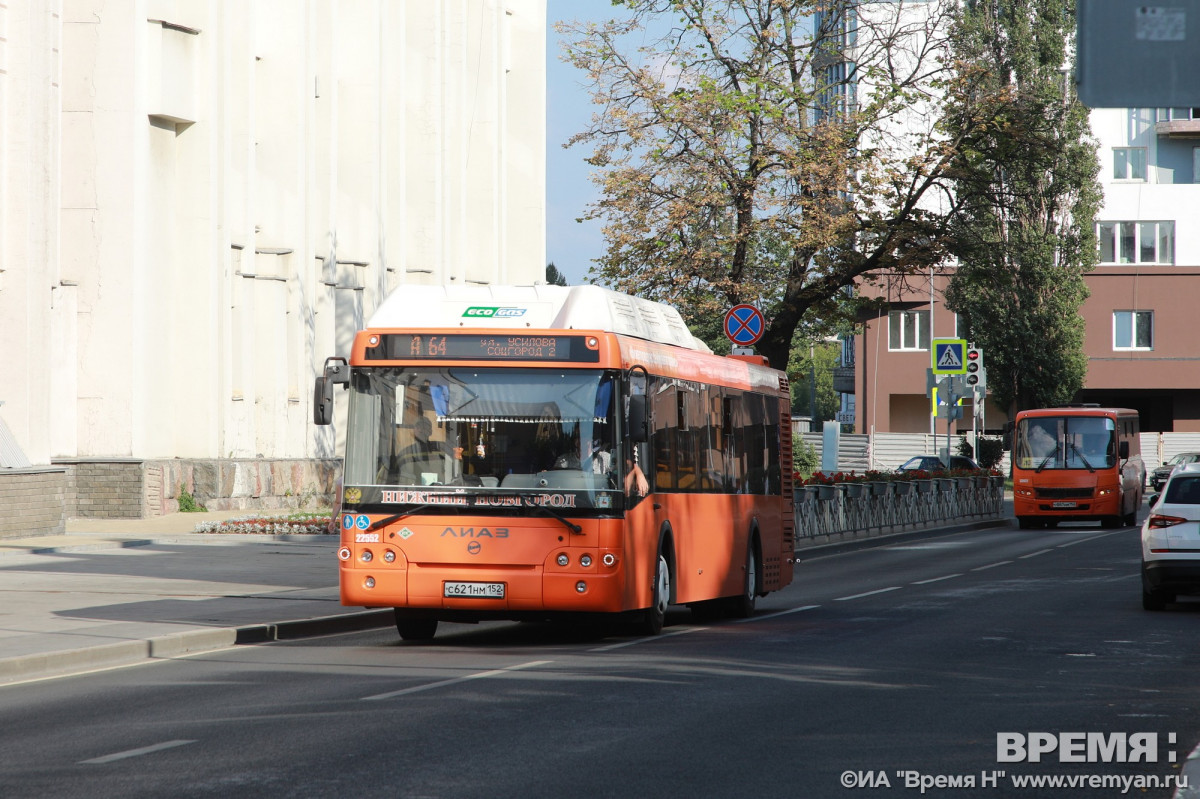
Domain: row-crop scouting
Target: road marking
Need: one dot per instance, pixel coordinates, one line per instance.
(145, 750)
(647, 639)
(1035, 554)
(776, 613)
(991, 566)
(442, 683)
(867, 593)
(1089, 538)
(937, 579)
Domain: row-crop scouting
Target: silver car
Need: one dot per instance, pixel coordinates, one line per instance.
(1171, 540)
(1160, 473)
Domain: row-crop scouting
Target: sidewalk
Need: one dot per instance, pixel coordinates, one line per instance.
(115, 592)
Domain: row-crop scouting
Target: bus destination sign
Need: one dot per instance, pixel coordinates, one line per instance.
(482, 347)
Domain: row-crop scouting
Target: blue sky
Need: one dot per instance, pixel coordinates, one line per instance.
(570, 246)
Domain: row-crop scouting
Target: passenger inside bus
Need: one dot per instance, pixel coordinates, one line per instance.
(425, 456)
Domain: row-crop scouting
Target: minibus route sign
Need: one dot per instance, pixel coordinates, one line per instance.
(483, 347)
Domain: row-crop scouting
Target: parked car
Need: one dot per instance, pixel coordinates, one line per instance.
(933, 463)
(1161, 473)
(1171, 540)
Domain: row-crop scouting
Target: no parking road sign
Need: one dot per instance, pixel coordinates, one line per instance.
(744, 324)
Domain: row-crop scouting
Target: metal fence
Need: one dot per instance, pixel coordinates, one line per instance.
(876, 508)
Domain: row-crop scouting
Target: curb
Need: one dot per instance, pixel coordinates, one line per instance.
(48, 665)
(196, 539)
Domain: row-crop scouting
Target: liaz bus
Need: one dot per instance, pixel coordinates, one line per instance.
(529, 452)
(1077, 463)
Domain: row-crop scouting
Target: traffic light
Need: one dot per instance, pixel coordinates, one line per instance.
(976, 374)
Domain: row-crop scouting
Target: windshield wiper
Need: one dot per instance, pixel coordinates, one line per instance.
(1075, 449)
(1045, 460)
(397, 517)
(572, 526)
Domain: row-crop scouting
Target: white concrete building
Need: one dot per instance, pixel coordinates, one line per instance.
(201, 201)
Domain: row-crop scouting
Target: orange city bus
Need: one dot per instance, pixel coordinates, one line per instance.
(1077, 463)
(527, 452)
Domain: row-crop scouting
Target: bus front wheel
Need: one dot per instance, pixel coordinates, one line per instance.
(414, 628)
(655, 615)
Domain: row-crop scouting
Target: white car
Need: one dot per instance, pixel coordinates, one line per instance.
(1171, 540)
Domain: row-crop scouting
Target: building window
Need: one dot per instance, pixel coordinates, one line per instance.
(1136, 242)
(1176, 114)
(1133, 330)
(1129, 163)
(908, 330)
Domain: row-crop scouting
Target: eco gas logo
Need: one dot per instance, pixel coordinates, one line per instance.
(492, 312)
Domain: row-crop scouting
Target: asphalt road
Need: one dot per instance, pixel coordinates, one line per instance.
(899, 667)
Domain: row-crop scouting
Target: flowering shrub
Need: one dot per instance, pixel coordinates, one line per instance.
(315, 523)
(875, 475)
(821, 478)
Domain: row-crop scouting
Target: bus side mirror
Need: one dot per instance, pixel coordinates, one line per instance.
(337, 372)
(323, 401)
(636, 419)
(1006, 441)
(1123, 450)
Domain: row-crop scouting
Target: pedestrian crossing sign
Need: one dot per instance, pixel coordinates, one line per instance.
(949, 356)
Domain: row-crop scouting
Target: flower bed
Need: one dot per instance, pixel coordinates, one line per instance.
(820, 478)
(294, 524)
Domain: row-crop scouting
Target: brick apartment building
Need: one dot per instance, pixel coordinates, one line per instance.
(1140, 318)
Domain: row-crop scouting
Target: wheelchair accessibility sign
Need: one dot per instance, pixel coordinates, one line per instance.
(351, 521)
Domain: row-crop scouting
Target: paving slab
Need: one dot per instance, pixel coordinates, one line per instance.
(118, 591)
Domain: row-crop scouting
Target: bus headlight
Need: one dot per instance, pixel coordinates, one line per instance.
(345, 554)
(610, 559)
(581, 587)
(585, 561)
(389, 556)
(562, 559)
(369, 582)
(366, 556)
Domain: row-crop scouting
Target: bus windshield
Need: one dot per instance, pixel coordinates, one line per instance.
(481, 428)
(1066, 442)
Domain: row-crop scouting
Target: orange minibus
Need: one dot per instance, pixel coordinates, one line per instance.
(1077, 463)
(530, 452)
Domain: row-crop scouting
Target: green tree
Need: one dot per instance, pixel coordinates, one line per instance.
(1027, 195)
(807, 371)
(555, 277)
(767, 151)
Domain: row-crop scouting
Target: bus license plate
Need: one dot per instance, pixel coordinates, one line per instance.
(1062, 504)
(475, 590)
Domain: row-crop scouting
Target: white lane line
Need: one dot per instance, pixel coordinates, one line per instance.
(776, 613)
(937, 579)
(442, 683)
(1089, 538)
(145, 750)
(623, 644)
(1035, 554)
(867, 593)
(991, 566)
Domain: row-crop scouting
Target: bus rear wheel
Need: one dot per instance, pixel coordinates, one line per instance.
(414, 628)
(742, 606)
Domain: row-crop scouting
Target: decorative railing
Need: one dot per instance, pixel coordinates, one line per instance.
(875, 508)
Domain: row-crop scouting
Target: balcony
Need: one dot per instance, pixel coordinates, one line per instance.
(1178, 128)
(843, 379)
